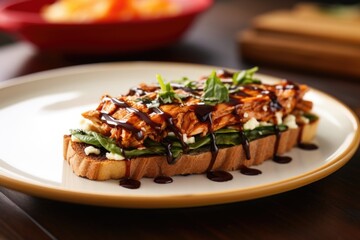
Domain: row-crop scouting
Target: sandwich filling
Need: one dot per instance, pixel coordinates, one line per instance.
(189, 116)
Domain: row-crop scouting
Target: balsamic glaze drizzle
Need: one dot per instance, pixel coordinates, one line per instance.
(219, 176)
(140, 114)
(305, 146)
(169, 155)
(249, 171)
(130, 183)
(163, 179)
(120, 123)
(243, 139)
(245, 144)
(277, 158)
(170, 124)
(136, 91)
(204, 114)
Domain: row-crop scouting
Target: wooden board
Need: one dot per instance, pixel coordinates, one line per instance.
(304, 39)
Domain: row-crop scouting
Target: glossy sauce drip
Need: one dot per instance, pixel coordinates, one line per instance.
(245, 144)
(203, 113)
(136, 91)
(127, 161)
(274, 104)
(277, 158)
(240, 93)
(170, 124)
(219, 176)
(141, 115)
(243, 139)
(291, 85)
(163, 179)
(282, 159)
(249, 171)
(305, 146)
(119, 123)
(214, 151)
(308, 146)
(169, 155)
(130, 183)
(127, 182)
(127, 168)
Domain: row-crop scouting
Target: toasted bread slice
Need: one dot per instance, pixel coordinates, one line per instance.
(98, 167)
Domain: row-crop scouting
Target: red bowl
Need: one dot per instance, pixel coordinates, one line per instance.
(22, 19)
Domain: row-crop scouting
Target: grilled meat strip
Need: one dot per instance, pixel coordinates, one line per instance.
(132, 118)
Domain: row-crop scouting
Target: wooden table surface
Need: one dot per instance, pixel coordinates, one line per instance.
(326, 209)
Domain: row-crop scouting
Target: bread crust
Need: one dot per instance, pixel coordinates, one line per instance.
(231, 158)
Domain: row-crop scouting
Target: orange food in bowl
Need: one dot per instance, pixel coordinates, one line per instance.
(107, 10)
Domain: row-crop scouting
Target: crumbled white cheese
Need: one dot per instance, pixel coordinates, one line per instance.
(74, 139)
(188, 140)
(304, 120)
(251, 124)
(265, 108)
(114, 156)
(278, 116)
(91, 150)
(265, 123)
(290, 121)
(246, 115)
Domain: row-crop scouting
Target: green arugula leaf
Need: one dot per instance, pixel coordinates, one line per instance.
(188, 83)
(245, 77)
(108, 143)
(85, 137)
(96, 139)
(215, 91)
(167, 93)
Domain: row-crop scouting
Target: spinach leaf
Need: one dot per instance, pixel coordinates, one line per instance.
(108, 143)
(96, 139)
(224, 137)
(263, 131)
(215, 91)
(167, 93)
(245, 77)
(85, 137)
(155, 150)
(188, 83)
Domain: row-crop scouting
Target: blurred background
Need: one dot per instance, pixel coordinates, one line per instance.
(216, 38)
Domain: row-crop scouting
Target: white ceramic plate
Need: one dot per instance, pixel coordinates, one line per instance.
(38, 109)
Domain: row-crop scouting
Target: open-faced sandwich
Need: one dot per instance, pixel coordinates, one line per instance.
(222, 122)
